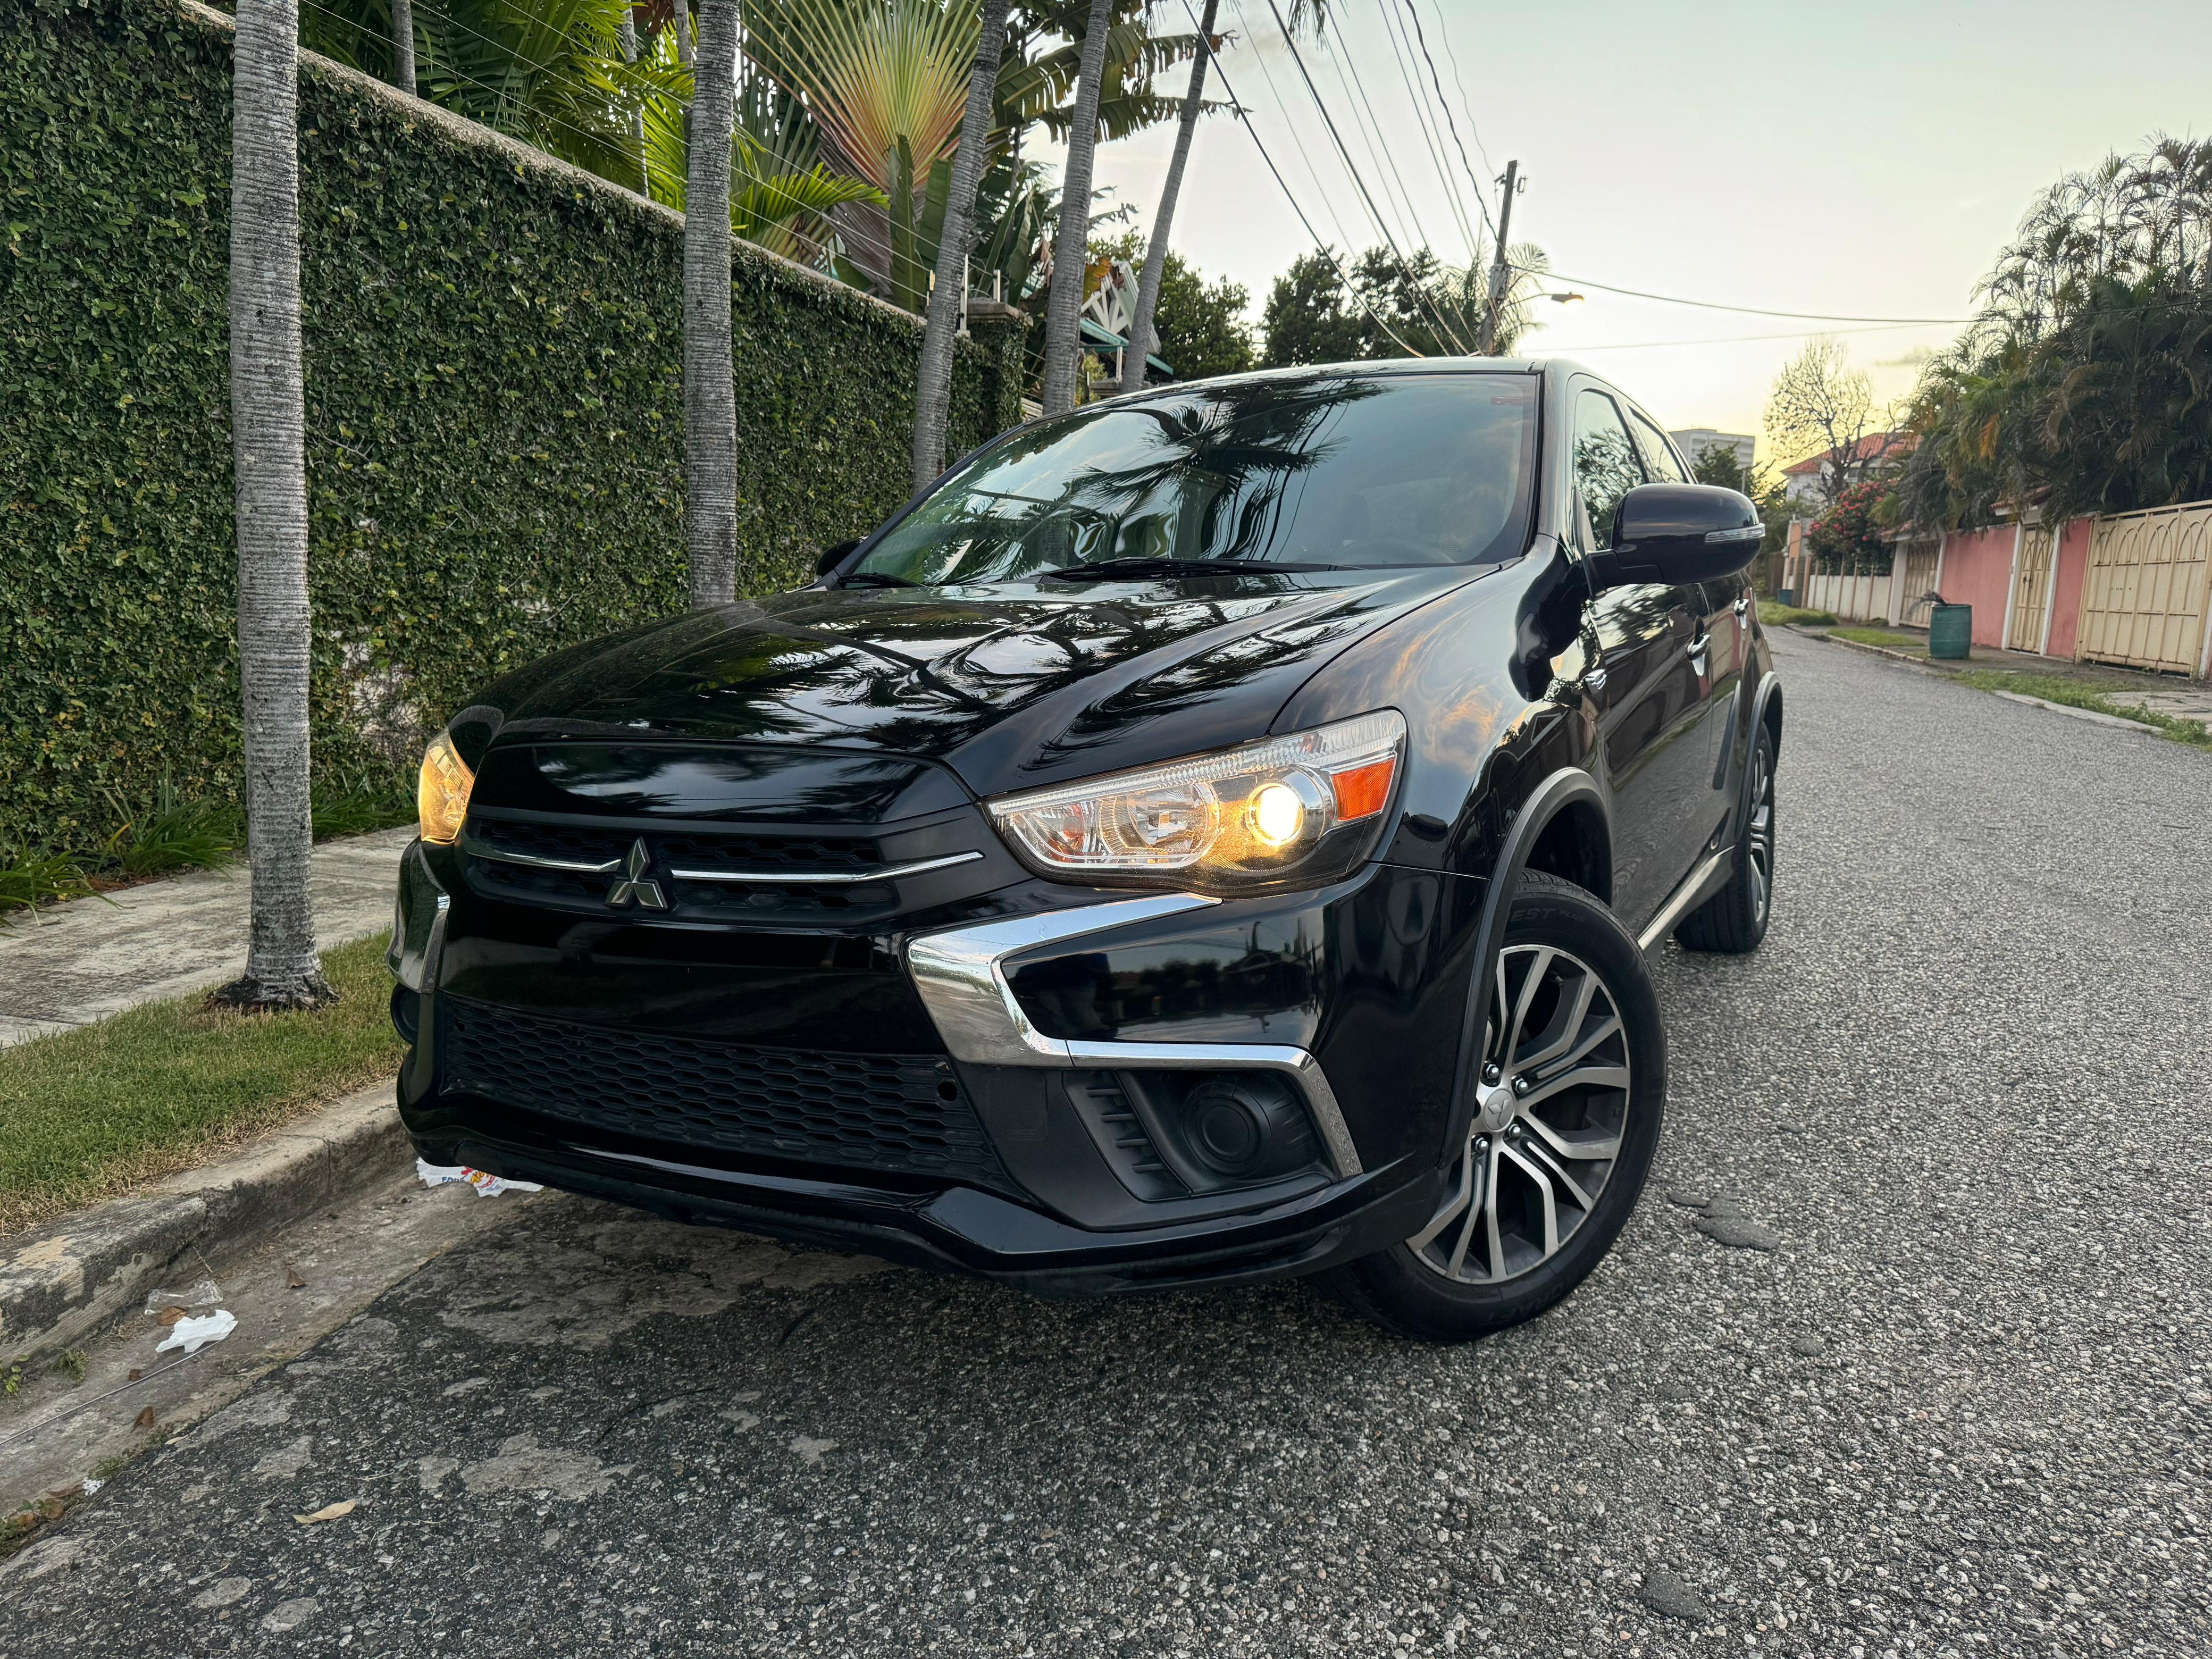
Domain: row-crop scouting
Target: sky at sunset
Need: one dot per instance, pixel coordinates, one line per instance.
(1865, 161)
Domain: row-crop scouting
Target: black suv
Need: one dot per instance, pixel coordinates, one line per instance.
(1209, 836)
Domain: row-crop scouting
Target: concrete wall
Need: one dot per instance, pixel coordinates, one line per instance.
(2066, 592)
(1977, 570)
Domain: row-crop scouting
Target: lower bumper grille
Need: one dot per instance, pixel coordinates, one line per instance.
(901, 1113)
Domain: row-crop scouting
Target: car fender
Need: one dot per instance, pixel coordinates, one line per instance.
(1558, 791)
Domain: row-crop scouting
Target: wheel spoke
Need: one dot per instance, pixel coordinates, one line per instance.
(1529, 988)
(1585, 993)
(1537, 1150)
(1582, 1050)
(1595, 1076)
(1453, 1204)
(1587, 1149)
(1543, 1181)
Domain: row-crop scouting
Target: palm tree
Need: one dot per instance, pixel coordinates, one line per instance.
(886, 80)
(403, 45)
(1063, 314)
(1142, 336)
(268, 426)
(949, 297)
(710, 411)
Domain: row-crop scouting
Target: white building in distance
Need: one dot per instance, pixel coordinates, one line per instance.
(1694, 441)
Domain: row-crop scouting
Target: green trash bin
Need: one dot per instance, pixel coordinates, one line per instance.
(1951, 631)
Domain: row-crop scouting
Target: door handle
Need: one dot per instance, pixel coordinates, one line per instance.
(1743, 604)
(1699, 645)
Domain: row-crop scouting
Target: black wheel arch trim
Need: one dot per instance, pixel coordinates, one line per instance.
(1567, 787)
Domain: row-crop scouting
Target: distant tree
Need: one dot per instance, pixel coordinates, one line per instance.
(1415, 306)
(1823, 407)
(1201, 325)
(2084, 383)
(1309, 317)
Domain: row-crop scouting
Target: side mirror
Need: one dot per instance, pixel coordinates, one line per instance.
(1673, 533)
(833, 556)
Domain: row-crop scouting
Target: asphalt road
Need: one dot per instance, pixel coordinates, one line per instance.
(1964, 1406)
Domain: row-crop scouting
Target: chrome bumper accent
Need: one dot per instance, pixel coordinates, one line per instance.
(961, 977)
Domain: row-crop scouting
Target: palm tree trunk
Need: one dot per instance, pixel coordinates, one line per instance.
(1063, 317)
(268, 443)
(933, 390)
(626, 36)
(710, 410)
(683, 21)
(403, 45)
(1142, 338)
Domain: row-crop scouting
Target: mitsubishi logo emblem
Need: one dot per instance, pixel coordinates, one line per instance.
(635, 883)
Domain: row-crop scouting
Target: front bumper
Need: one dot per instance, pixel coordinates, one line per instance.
(1054, 1212)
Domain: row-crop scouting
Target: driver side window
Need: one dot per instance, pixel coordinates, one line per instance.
(1606, 467)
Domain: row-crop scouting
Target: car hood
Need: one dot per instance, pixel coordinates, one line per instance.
(1007, 686)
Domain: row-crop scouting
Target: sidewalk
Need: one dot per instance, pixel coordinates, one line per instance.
(2162, 694)
(91, 958)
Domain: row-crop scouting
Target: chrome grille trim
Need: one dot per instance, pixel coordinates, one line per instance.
(824, 877)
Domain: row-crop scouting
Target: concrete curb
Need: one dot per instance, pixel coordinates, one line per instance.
(62, 1280)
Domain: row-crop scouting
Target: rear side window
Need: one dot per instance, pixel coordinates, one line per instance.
(1658, 455)
(1606, 467)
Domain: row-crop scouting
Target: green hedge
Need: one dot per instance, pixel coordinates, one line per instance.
(494, 414)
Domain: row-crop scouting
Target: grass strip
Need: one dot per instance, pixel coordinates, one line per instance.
(1774, 614)
(1889, 639)
(88, 1114)
(2075, 694)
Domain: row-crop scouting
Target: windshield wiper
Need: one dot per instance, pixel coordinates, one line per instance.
(874, 579)
(1107, 570)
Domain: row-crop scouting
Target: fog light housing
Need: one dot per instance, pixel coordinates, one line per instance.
(1248, 1128)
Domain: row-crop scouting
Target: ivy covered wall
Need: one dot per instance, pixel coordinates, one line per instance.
(495, 413)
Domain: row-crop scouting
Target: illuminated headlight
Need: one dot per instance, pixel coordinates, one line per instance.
(1307, 806)
(442, 792)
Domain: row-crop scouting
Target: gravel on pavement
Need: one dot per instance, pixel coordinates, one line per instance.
(1913, 1362)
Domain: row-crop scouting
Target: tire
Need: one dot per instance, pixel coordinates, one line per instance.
(1734, 921)
(1476, 1267)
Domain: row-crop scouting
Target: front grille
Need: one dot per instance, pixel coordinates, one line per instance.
(781, 855)
(902, 1114)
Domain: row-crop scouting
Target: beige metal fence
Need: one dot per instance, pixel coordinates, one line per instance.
(2143, 594)
(2031, 589)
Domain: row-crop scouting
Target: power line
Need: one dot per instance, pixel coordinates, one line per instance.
(1283, 109)
(1419, 291)
(1371, 131)
(1481, 200)
(1431, 133)
(1451, 57)
(1327, 252)
(1747, 311)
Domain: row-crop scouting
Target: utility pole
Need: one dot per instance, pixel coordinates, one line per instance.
(1501, 274)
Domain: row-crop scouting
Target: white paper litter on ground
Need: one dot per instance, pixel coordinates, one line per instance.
(193, 1334)
(487, 1186)
(92, 1485)
(205, 1294)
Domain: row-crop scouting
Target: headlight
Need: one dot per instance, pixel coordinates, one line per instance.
(1307, 806)
(441, 792)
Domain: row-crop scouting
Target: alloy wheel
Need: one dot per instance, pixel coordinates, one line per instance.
(1758, 843)
(1552, 1109)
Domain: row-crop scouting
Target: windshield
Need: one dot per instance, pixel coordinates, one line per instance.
(1337, 471)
